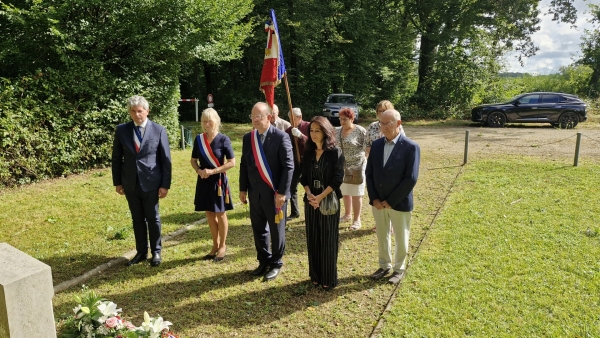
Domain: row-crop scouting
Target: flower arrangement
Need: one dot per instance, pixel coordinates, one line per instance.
(96, 317)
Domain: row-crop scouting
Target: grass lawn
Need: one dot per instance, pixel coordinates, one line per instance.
(507, 255)
(513, 254)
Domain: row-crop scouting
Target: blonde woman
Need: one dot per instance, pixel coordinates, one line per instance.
(212, 156)
(374, 130)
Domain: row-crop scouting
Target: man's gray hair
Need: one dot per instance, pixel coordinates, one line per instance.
(296, 111)
(137, 100)
(395, 114)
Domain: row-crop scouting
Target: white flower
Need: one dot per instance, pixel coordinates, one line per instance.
(108, 309)
(77, 308)
(154, 326)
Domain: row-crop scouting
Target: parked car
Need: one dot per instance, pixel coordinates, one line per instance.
(559, 109)
(335, 102)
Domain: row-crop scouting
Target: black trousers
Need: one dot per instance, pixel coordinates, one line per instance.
(266, 231)
(294, 206)
(146, 220)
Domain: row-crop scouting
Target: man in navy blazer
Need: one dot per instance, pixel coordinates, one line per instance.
(141, 170)
(391, 173)
(264, 198)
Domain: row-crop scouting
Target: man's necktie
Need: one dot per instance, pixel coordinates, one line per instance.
(262, 138)
(138, 138)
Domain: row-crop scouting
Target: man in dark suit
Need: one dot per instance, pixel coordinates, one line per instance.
(391, 173)
(266, 198)
(141, 170)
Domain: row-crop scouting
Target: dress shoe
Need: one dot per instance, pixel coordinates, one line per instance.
(262, 268)
(209, 257)
(395, 278)
(293, 216)
(139, 257)
(155, 261)
(380, 273)
(272, 274)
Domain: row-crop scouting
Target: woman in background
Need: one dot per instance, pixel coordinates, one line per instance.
(212, 156)
(352, 140)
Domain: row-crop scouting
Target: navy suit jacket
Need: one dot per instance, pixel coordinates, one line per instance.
(152, 165)
(278, 150)
(395, 181)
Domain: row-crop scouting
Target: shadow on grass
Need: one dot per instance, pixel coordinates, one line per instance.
(238, 309)
(66, 267)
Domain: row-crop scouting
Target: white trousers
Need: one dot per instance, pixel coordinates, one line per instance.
(400, 221)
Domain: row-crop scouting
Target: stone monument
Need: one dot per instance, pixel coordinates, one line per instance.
(25, 296)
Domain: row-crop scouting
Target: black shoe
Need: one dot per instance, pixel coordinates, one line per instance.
(293, 216)
(209, 257)
(262, 268)
(218, 259)
(155, 261)
(379, 274)
(272, 274)
(137, 258)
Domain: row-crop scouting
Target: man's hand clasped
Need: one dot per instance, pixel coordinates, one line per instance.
(379, 205)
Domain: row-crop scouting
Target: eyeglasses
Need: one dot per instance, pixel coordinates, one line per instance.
(387, 124)
(256, 117)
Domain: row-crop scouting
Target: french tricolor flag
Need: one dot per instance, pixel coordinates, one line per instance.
(273, 66)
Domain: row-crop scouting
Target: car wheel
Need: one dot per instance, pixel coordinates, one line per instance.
(568, 120)
(554, 125)
(496, 120)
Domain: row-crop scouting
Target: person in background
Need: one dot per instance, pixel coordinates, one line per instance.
(266, 170)
(141, 170)
(322, 174)
(392, 173)
(298, 133)
(212, 156)
(352, 140)
(277, 122)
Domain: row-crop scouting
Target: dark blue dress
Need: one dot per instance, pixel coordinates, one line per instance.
(207, 197)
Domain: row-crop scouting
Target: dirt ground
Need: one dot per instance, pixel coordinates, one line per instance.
(530, 140)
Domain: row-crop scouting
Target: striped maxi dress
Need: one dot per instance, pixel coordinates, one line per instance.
(322, 234)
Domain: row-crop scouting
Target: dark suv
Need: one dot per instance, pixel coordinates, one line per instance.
(335, 102)
(559, 109)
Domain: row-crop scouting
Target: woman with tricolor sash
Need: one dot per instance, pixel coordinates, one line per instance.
(212, 156)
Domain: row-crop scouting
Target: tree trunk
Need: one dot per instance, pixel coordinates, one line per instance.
(427, 53)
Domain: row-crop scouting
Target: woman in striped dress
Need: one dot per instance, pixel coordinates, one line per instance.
(322, 174)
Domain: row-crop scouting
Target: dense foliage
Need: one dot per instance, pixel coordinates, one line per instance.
(590, 48)
(69, 65)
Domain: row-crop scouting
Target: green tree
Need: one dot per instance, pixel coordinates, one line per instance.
(590, 49)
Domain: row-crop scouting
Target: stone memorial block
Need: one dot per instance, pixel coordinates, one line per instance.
(25, 296)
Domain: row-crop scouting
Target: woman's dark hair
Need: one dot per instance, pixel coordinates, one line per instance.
(328, 135)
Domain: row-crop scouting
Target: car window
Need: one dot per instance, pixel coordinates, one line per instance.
(530, 99)
(549, 98)
(340, 99)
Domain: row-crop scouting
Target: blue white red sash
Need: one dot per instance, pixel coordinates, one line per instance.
(212, 160)
(260, 159)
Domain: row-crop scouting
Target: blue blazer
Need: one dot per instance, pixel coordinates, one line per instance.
(395, 181)
(278, 150)
(152, 165)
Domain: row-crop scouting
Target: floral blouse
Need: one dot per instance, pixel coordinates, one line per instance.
(373, 133)
(353, 145)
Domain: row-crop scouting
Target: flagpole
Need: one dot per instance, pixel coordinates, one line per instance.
(287, 89)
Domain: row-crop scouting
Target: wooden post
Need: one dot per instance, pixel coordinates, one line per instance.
(577, 146)
(287, 89)
(466, 148)
(182, 137)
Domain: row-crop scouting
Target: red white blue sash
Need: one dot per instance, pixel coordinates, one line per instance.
(263, 168)
(212, 160)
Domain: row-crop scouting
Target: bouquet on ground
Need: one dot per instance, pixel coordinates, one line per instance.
(96, 317)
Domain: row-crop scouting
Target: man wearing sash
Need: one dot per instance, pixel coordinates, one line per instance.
(266, 170)
(141, 170)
